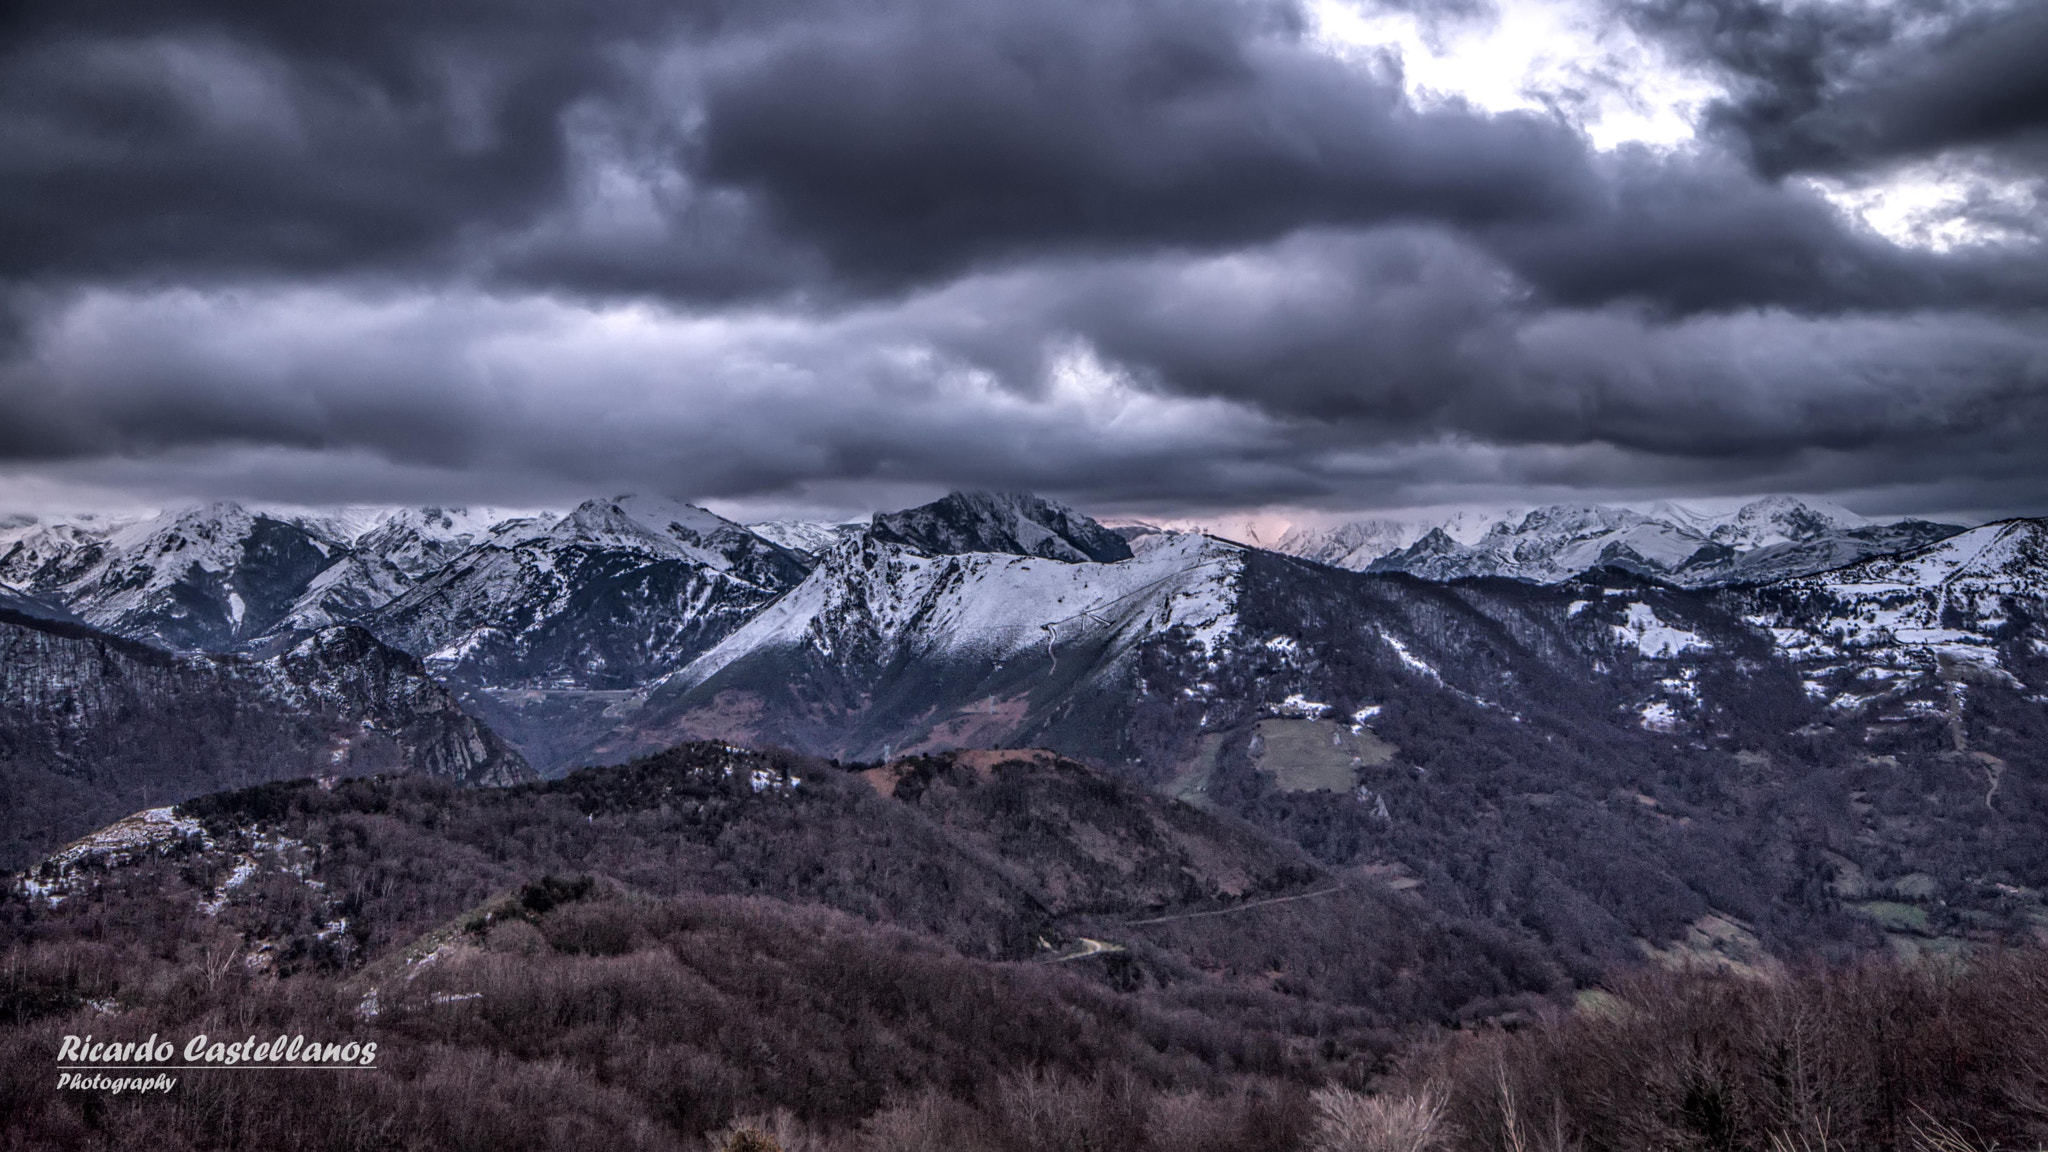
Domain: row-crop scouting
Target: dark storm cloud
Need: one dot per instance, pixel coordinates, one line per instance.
(1399, 336)
(1326, 365)
(1828, 87)
(1123, 249)
(906, 148)
(709, 154)
(282, 137)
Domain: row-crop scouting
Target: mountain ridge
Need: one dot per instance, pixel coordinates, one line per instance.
(94, 721)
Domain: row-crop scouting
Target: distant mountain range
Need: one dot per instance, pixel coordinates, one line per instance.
(1768, 539)
(622, 590)
(603, 630)
(1606, 711)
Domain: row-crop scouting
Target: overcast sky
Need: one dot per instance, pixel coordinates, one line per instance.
(1165, 257)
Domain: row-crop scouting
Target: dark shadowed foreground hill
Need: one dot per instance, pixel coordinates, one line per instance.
(1003, 856)
(979, 952)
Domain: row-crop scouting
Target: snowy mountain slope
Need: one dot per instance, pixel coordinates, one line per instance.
(871, 601)
(1780, 520)
(1977, 600)
(38, 555)
(351, 588)
(804, 537)
(883, 644)
(391, 550)
(214, 577)
(205, 578)
(1013, 522)
(224, 575)
(1788, 559)
(1353, 545)
(1356, 544)
(614, 594)
(420, 541)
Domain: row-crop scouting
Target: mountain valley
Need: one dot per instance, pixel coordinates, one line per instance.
(1575, 758)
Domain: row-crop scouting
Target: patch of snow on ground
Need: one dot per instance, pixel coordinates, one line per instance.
(1300, 707)
(1659, 716)
(1410, 659)
(125, 840)
(1681, 686)
(244, 869)
(1653, 637)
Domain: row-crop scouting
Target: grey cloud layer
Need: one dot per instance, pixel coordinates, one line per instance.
(1830, 87)
(1286, 362)
(1146, 250)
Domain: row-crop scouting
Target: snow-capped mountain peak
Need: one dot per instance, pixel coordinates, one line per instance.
(1018, 523)
(807, 537)
(39, 555)
(868, 591)
(1572, 520)
(201, 577)
(158, 552)
(671, 528)
(609, 596)
(1782, 520)
(418, 541)
(1351, 545)
(987, 625)
(653, 517)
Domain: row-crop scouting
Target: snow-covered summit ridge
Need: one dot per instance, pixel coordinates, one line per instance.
(1775, 520)
(1014, 522)
(870, 598)
(657, 525)
(805, 537)
(617, 592)
(650, 525)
